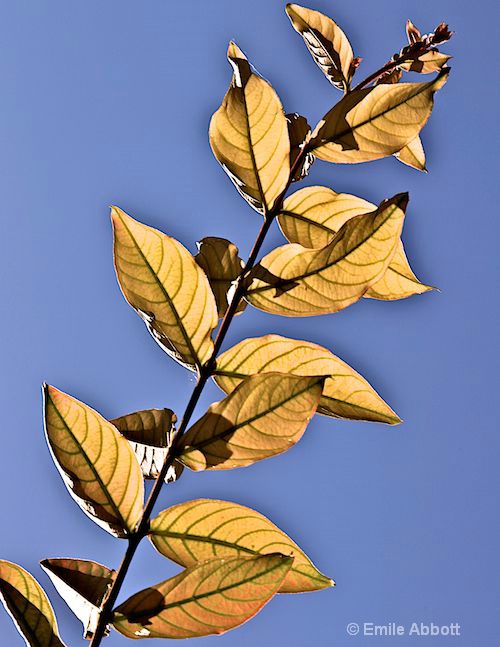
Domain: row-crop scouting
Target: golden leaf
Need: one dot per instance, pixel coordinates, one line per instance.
(313, 215)
(319, 281)
(28, 606)
(346, 394)
(249, 136)
(265, 415)
(326, 42)
(219, 259)
(375, 122)
(197, 530)
(83, 585)
(162, 282)
(427, 63)
(413, 155)
(206, 599)
(96, 463)
(150, 433)
(299, 131)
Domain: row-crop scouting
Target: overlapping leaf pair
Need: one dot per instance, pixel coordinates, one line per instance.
(340, 249)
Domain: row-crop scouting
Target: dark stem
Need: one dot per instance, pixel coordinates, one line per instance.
(205, 373)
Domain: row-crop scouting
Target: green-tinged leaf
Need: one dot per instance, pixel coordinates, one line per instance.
(264, 416)
(219, 260)
(150, 433)
(326, 42)
(162, 282)
(206, 599)
(83, 585)
(298, 132)
(313, 215)
(95, 461)
(308, 282)
(375, 122)
(413, 155)
(205, 528)
(28, 606)
(345, 393)
(429, 62)
(249, 136)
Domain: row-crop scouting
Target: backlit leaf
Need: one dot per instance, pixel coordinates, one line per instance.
(313, 215)
(249, 135)
(83, 585)
(162, 282)
(413, 155)
(95, 461)
(429, 62)
(320, 281)
(197, 530)
(219, 259)
(150, 433)
(326, 42)
(28, 606)
(345, 393)
(375, 122)
(264, 416)
(206, 599)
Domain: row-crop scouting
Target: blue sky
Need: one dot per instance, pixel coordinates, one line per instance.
(108, 103)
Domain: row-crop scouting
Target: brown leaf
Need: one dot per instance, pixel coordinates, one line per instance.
(83, 585)
(219, 259)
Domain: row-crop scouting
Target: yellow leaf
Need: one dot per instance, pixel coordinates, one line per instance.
(249, 136)
(83, 585)
(429, 62)
(326, 42)
(398, 282)
(96, 463)
(313, 215)
(299, 132)
(170, 292)
(219, 259)
(413, 155)
(197, 530)
(264, 416)
(319, 281)
(150, 433)
(375, 122)
(345, 393)
(206, 599)
(28, 606)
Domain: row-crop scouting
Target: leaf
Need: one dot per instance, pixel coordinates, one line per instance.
(206, 599)
(96, 463)
(170, 292)
(399, 282)
(375, 122)
(28, 606)
(206, 528)
(326, 42)
(219, 259)
(265, 415)
(83, 585)
(413, 155)
(432, 61)
(345, 393)
(150, 433)
(313, 215)
(249, 136)
(298, 132)
(329, 279)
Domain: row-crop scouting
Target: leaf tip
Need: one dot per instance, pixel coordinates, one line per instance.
(234, 52)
